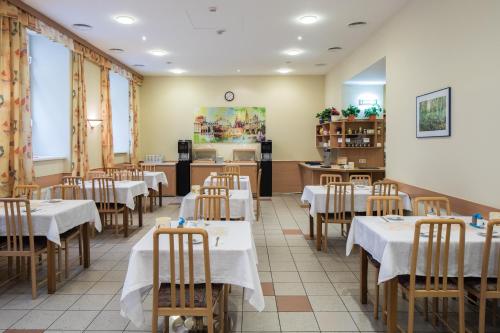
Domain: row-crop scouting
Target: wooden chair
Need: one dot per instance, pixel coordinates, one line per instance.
(222, 181)
(209, 207)
(435, 282)
(328, 178)
(361, 179)
(431, 205)
(148, 167)
(30, 192)
(19, 240)
(231, 169)
(486, 288)
(339, 213)
(76, 180)
(96, 174)
(68, 192)
(384, 187)
(104, 195)
(381, 205)
(214, 190)
(109, 171)
(185, 298)
(257, 199)
(234, 180)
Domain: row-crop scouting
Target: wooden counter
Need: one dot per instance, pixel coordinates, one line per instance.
(200, 171)
(169, 169)
(310, 174)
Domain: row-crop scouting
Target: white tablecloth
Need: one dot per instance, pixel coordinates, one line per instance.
(154, 178)
(315, 195)
(52, 219)
(233, 261)
(244, 183)
(390, 243)
(240, 205)
(126, 191)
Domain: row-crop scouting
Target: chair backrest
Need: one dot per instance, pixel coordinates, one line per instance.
(486, 262)
(436, 257)
(148, 167)
(209, 207)
(431, 205)
(15, 228)
(360, 179)
(117, 175)
(96, 174)
(182, 239)
(234, 180)
(104, 193)
(112, 170)
(384, 187)
(328, 178)
(76, 180)
(214, 190)
(130, 174)
(232, 169)
(339, 192)
(30, 192)
(384, 205)
(222, 181)
(66, 192)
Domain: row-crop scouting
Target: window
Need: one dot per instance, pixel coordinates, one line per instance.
(50, 97)
(118, 90)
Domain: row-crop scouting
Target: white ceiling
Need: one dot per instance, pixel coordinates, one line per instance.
(257, 32)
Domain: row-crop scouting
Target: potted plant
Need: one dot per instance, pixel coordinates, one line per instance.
(351, 112)
(373, 112)
(323, 116)
(335, 114)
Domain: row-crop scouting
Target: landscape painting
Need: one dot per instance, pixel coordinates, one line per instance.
(230, 125)
(433, 114)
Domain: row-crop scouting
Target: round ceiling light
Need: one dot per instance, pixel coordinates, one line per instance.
(308, 19)
(299, 37)
(177, 71)
(284, 70)
(158, 52)
(125, 19)
(293, 52)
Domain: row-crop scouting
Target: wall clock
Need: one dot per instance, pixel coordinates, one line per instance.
(229, 96)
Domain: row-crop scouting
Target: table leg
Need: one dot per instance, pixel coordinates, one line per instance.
(392, 306)
(151, 200)
(319, 232)
(311, 224)
(51, 267)
(139, 202)
(364, 276)
(125, 221)
(86, 245)
(160, 194)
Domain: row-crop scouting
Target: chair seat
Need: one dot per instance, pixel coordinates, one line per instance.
(474, 284)
(404, 281)
(164, 295)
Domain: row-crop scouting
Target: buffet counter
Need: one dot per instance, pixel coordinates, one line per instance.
(310, 174)
(201, 170)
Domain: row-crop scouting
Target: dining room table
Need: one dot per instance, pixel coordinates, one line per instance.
(51, 218)
(233, 261)
(390, 242)
(244, 183)
(155, 181)
(315, 197)
(240, 205)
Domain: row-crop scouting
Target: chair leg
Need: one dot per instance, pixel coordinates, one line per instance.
(411, 313)
(33, 276)
(377, 294)
(461, 313)
(222, 313)
(59, 261)
(66, 259)
(80, 247)
(210, 323)
(384, 303)
(166, 324)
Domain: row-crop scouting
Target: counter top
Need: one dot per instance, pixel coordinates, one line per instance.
(169, 163)
(319, 168)
(208, 164)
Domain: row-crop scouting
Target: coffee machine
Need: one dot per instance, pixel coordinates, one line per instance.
(183, 166)
(266, 165)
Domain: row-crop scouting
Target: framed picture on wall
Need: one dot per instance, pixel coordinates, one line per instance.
(434, 114)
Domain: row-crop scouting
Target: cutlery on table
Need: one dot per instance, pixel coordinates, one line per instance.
(217, 241)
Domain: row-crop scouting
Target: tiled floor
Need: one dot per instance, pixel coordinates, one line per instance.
(305, 290)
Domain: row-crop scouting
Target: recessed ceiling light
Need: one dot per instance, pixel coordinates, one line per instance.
(82, 26)
(284, 70)
(158, 52)
(335, 48)
(138, 65)
(125, 19)
(299, 37)
(238, 70)
(320, 65)
(116, 50)
(144, 38)
(293, 52)
(356, 24)
(177, 71)
(308, 19)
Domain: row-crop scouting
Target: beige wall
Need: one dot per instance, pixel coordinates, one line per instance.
(431, 45)
(168, 105)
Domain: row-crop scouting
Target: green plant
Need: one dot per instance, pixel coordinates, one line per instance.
(324, 115)
(375, 110)
(351, 111)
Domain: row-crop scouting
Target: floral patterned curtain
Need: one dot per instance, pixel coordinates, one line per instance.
(79, 155)
(16, 159)
(134, 126)
(107, 122)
